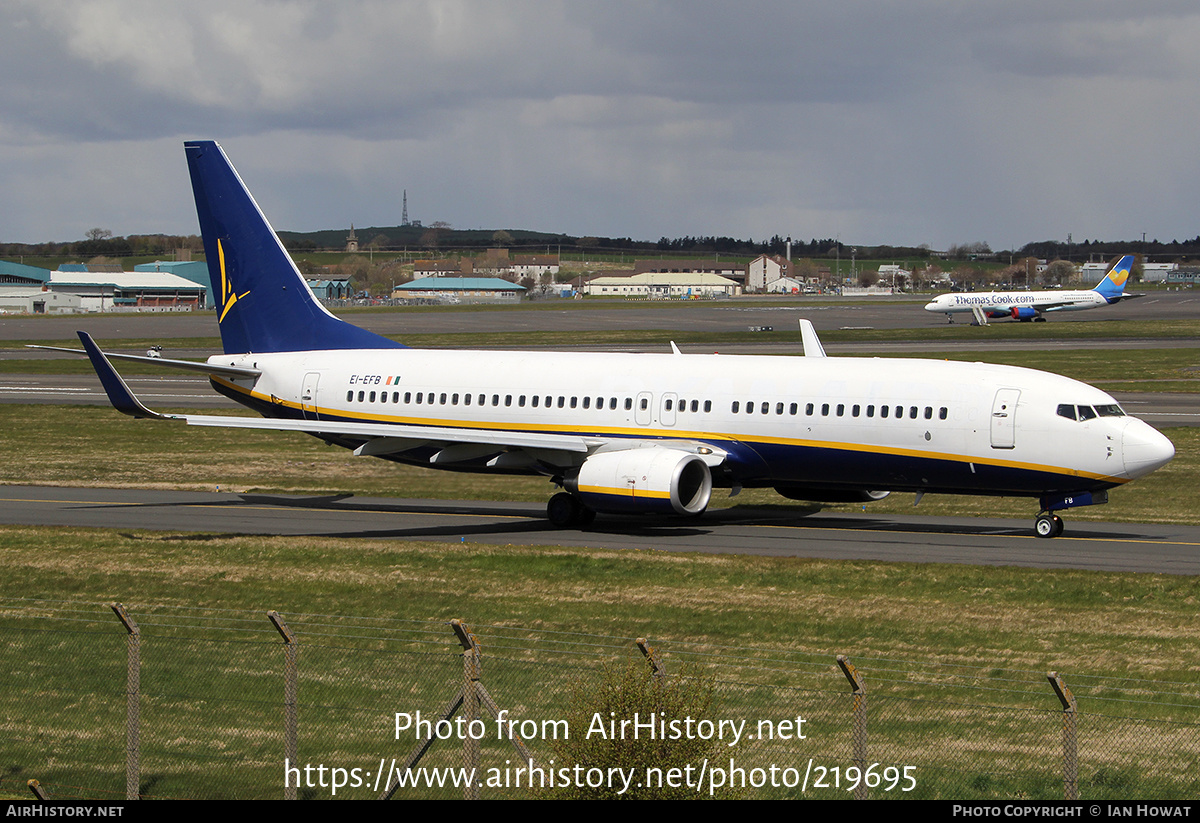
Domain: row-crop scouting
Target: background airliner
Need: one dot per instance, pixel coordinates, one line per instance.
(637, 433)
(1031, 305)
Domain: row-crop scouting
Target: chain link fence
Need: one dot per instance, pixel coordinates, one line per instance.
(111, 702)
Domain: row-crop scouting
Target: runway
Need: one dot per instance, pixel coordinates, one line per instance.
(1114, 547)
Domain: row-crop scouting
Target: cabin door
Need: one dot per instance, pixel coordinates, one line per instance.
(1004, 418)
(667, 413)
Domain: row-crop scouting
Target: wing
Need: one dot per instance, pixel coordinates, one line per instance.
(453, 445)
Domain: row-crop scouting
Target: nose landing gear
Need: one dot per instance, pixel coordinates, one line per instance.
(1048, 524)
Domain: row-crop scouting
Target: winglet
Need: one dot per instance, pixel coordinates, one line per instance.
(808, 337)
(119, 394)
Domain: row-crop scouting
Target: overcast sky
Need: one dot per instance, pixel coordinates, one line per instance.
(876, 121)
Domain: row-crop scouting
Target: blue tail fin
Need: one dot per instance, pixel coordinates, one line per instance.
(263, 302)
(1113, 284)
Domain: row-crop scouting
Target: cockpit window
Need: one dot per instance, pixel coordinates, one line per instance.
(1111, 410)
(1066, 410)
(1086, 413)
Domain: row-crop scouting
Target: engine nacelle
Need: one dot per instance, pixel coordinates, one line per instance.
(644, 480)
(818, 495)
(1024, 313)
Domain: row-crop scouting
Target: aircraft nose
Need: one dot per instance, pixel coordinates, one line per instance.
(1144, 448)
(931, 306)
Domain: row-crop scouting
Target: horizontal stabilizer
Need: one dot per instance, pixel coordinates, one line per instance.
(183, 365)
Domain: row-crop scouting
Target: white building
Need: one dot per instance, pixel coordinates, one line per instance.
(37, 300)
(662, 284)
(764, 270)
(785, 285)
(130, 290)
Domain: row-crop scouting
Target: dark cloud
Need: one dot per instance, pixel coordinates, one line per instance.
(928, 121)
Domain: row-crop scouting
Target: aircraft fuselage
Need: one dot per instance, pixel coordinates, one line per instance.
(832, 423)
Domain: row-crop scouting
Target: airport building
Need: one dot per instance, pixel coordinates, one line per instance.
(136, 291)
(664, 285)
(459, 288)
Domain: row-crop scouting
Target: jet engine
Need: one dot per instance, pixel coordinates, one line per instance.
(1024, 313)
(644, 480)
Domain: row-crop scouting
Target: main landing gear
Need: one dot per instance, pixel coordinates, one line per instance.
(1048, 524)
(566, 510)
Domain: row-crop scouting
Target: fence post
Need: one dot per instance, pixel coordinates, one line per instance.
(859, 690)
(1070, 740)
(133, 688)
(472, 669)
(290, 693)
(651, 656)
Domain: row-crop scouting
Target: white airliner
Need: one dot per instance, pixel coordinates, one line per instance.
(1032, 305)
(638, 433)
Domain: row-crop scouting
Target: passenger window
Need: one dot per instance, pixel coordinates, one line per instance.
(912, 412)
(854, 410)
(749, 407)
(454, 399)
(466, 399)
(562, 401)
(870, 411)
(612, 403)
(779, 408)
(942, 413)
(808, 409)
(883, 411)
(574, 402)
(372, 400)
(349, 397)
(628, 403)
(666, 403)
(360, 396)
(383, 397)
(824, 409)
(929, 412)
(841, 409)
(695, 405)
(508, 400)
(899, 411)
(521, 401)
(442, 399)
(734, 408)
(535, 401)
(408, 397)
(792, 409)
(645, 403)
(495, 400)
(707, 405)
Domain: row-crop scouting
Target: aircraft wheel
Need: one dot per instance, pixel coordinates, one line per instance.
(1048, 525)
(563, 510)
